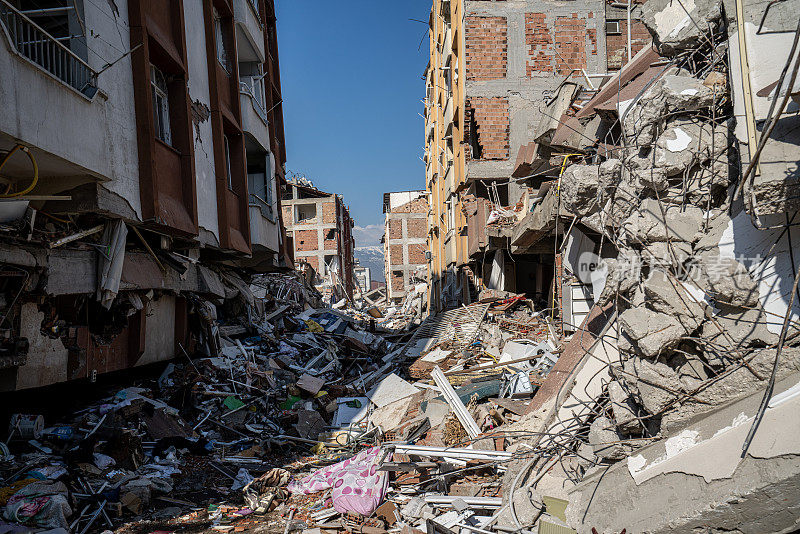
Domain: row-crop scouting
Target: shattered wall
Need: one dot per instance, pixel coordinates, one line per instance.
(701, 278)
(406, 242)
(617, 42)
(543, 41)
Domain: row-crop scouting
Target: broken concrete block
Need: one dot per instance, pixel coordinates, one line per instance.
(586, 456)
(733, 386)
(623, 408)
(650, 177)
(690, 368)
(624, 199)
(637, 298)
(676, 26)
(655, 384)
(579, 189)
(605, 440)
(725, 280)
(669, 95)
(669, 296)
(686, 143)
(737, 329)
(650, 331)
(609, 175)
(667, 255)
(622, 276)
(651, 222)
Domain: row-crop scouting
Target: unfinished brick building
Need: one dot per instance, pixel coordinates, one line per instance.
(405, 241)
(494, 67)
(319, 231)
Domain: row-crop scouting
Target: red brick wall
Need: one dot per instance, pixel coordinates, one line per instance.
(568, 36)
(287, 214)
(396, 254)
(305, 240)
(416, 254)
(313, 261)
(397, 281)
(417, 227)
(486, 40)
(537, 37)
(418, 205)
(329, 212)
(491, 119)
(617, 45)
(395, 229)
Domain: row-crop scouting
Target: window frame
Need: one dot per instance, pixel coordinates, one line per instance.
(159, 92)
(219, 36)
(227, 148)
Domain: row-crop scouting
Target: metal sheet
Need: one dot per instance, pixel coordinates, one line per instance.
(461, 325)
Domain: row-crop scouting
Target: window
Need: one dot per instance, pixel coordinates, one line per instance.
(222, 52)
(306, 212)
(158, 84)
(448, 76)
(451, 214)
(228, 162)
(331, 263)
(260, 182)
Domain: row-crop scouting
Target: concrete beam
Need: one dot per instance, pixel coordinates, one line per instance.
(696, 481)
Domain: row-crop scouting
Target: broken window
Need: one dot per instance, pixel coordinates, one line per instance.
(228, 173)
(260, 183)
(251, 78)
(158, 83)
(471, 132)
(331, 263)
(222, 51)
(330, 234)
(451, 213)
(305, 212)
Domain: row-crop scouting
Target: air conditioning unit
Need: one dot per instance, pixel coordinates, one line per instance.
(613, 28)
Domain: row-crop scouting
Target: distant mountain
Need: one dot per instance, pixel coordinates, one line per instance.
(371, 256)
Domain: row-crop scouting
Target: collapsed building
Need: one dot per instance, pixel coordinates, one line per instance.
(666, 200)
(491, 65)
(140, 177)
(319, 230)
(404, 242)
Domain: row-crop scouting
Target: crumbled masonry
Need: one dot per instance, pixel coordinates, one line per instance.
(608, 343)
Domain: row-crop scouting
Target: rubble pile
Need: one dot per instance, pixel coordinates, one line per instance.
(683, 328)
(301, 417)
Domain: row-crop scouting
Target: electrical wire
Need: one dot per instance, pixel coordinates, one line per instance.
(35, 179)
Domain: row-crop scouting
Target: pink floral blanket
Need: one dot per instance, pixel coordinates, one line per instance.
(357, 485)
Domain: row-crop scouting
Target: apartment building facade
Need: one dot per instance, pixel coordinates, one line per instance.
(493, 68)
(405, 241)
(319, 230)
(158, 123)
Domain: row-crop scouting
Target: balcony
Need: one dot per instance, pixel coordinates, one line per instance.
(448, 109)
(46, 52)
(254, 116)
(449, 176)
(249, 31)
(42, 79)
(263, 230)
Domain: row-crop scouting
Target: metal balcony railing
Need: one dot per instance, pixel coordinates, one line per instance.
(253, 87)
(32, 42)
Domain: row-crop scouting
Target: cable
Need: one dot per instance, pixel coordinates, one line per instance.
(35, 172)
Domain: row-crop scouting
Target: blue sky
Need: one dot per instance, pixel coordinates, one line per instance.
(351, 83)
